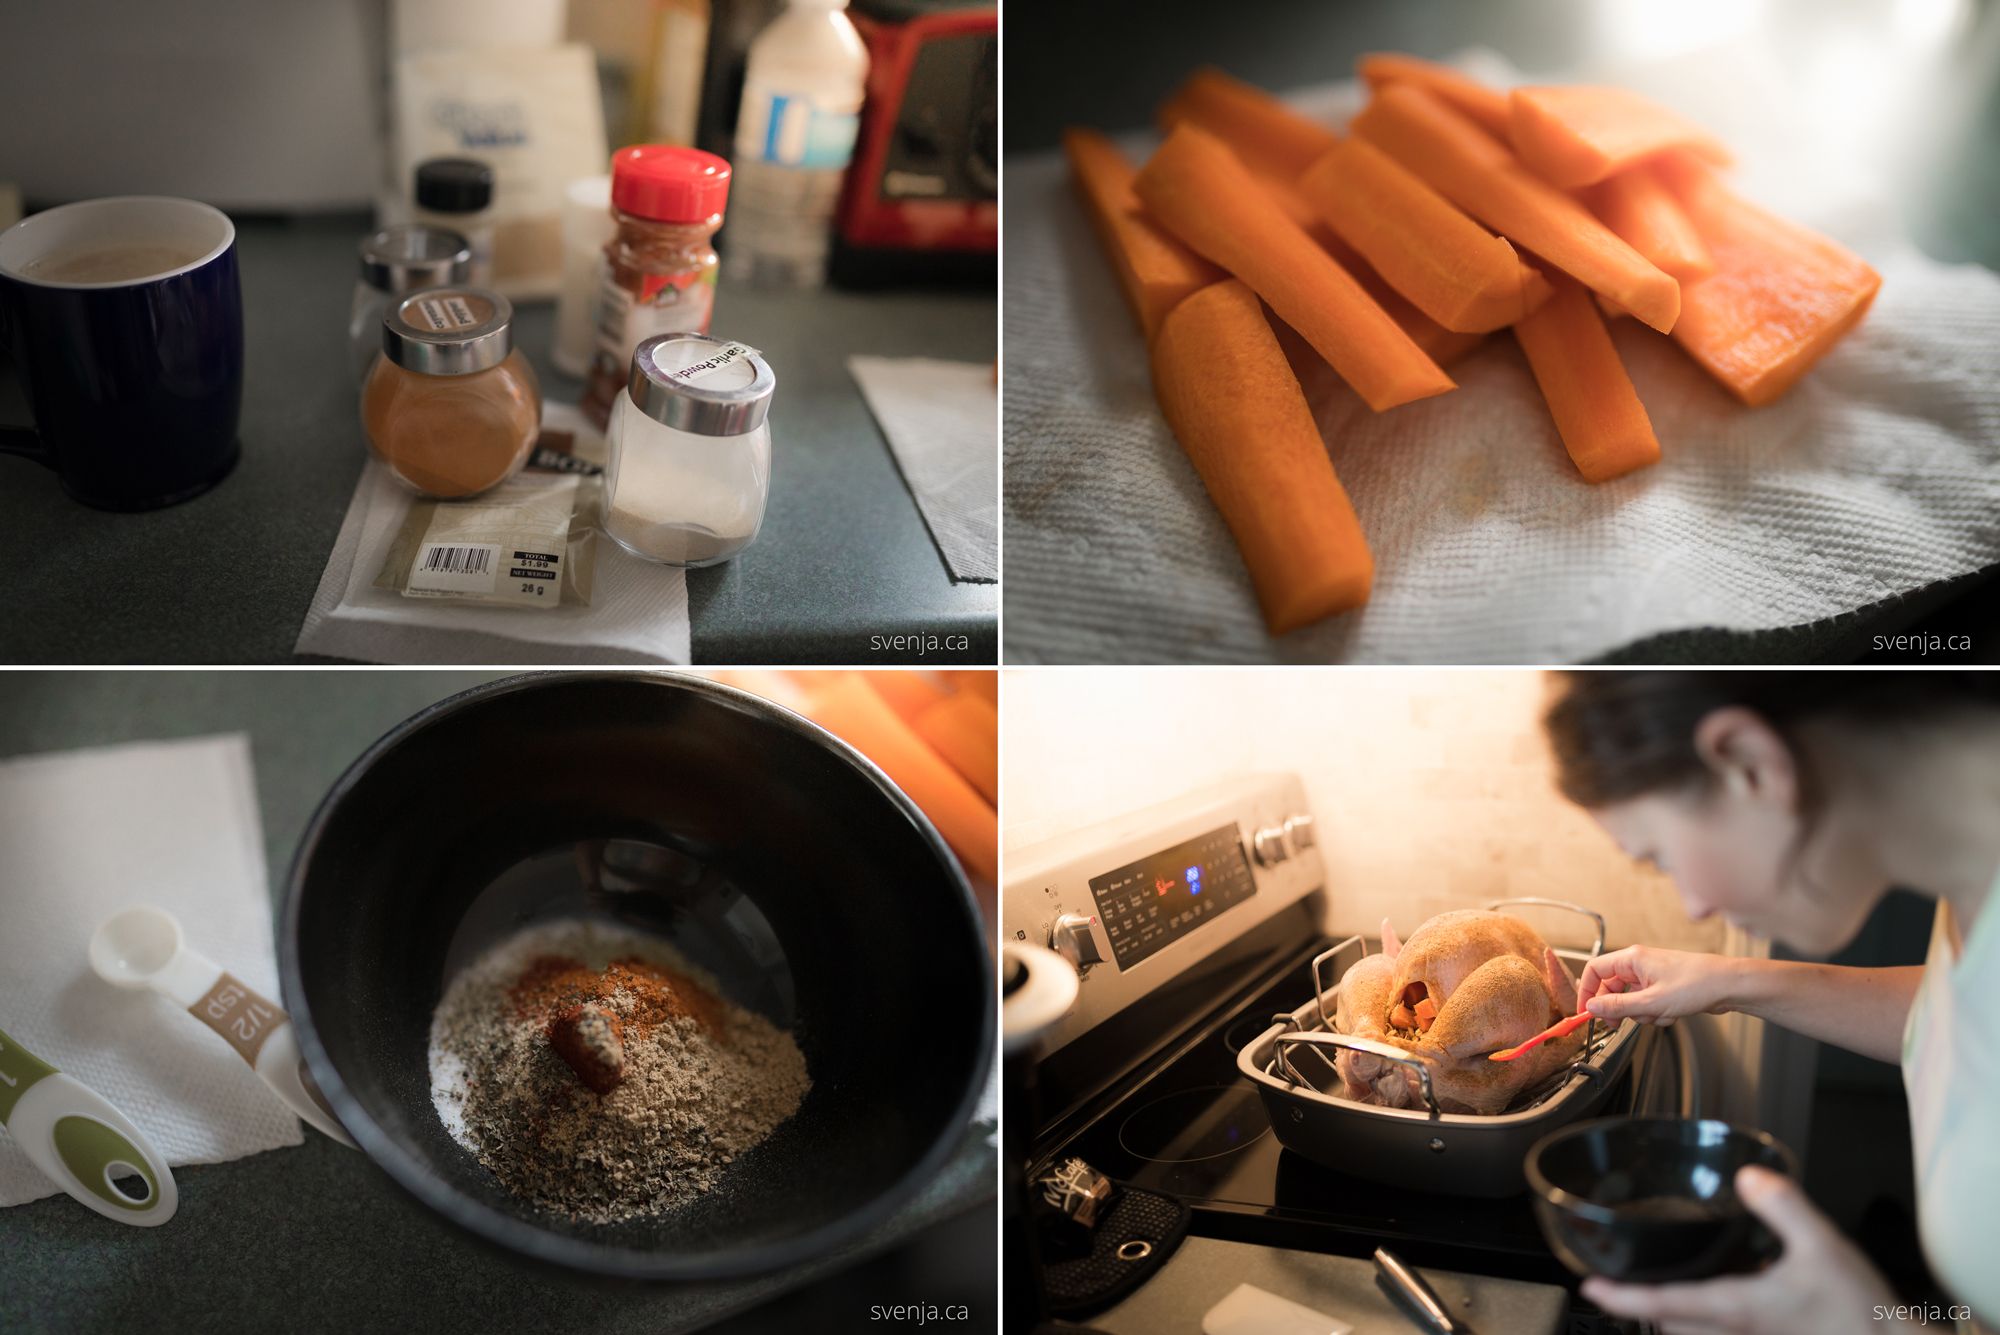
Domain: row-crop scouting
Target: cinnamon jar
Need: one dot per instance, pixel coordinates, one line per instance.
(451, 406)
(660, 266)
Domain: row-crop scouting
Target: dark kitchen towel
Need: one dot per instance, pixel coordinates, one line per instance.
(1140, 1219)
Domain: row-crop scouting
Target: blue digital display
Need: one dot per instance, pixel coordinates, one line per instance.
(1194, 879)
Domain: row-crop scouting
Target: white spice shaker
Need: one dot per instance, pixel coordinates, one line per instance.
(690, 450)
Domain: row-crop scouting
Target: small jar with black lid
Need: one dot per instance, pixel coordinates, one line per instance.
(690, 444)
(395, 262)
(457, 193)
(451, 406)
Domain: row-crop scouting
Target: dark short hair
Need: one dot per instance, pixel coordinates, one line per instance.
(1619, 735)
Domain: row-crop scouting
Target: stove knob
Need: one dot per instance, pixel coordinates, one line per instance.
(1071, 938)
(1270, 846)
(1299, 829)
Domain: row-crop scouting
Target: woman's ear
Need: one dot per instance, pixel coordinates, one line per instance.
(1747, 757)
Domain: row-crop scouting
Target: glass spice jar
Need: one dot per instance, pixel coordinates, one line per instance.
(451, 406)
(690, 439)
(457, 194)
(660, 266)
(395, 262)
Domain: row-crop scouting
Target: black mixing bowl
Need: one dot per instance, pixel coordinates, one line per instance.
(1652, 1200)
(767, 851)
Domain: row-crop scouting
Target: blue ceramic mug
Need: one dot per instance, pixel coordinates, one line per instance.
(126, 318)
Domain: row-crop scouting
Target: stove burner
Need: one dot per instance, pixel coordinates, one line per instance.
(1192, 1124)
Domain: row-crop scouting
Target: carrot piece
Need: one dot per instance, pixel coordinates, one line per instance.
(965, 730)
(1427, 1011)
(1485, 179)
(1202, 194)
(1781, 295)
(1598, 414)
(907, 691)
(847, 708)
(1269, 136)
(1441, 345)
(1236, 408)
(1487, 106)
(1155, 270)
(1577, 136)
(982, 682)
(1451, 268)
(1636, 204)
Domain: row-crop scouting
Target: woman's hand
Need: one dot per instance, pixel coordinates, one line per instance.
(1822, 1285)
(1655, 985)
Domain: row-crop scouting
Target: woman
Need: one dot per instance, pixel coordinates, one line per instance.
(1790, 803)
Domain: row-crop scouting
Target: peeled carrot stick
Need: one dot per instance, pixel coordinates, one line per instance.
(965, 730)
(1268, 135)
(1155, 270)
(1781, 295)
(1636, 204)
(1441, 345)
(1487, 106)
(907, 692)
(1484, 178)
(1236, 408)
(1577, 136)
(982, 682)
(1451, 268)
(1598, 414)
(1203, 195)
(847, 708)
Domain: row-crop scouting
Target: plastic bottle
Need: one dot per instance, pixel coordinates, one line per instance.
(802, 94)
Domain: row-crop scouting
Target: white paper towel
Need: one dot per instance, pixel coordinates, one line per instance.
(939, 418)
(1878, 474)
(84, 834)
(638, 611)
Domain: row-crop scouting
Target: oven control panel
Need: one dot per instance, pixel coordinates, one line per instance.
(1132, 902)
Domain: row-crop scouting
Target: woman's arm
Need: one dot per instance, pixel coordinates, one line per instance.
(1862, 1010)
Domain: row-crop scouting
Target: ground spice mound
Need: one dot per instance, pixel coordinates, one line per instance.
(702, 1080)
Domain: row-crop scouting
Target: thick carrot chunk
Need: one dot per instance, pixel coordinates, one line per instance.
(1487, 106)
(1598, 414)
(1200, 192)
(1269, 136)
(1483, 177)
(1637, 205)
(1577, 136)
(1236, 408)
(1781, 295)
(1156, 271)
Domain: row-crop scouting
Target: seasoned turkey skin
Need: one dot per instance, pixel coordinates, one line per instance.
(1467, 983)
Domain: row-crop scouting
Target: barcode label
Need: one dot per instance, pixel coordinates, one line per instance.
(456, 567)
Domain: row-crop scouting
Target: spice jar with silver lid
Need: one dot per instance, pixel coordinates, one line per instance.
(451, 406)
(690, 445)
(395, 262)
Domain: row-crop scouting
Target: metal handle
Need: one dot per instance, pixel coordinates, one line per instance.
(1596, 947)
(1319, 985)
(1373, 1047)
(1417, 1297)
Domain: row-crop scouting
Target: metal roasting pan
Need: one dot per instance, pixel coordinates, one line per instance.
(1460, 1154)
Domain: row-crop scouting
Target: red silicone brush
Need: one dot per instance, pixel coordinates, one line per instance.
(1556, 1030)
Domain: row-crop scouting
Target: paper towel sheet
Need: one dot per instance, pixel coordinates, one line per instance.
(84, 834)
(1877, 475)
(939, 419)
(638, 611)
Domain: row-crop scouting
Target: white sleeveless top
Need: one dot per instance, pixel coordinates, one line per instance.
(1951, 1071)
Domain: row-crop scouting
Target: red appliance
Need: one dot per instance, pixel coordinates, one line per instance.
(921, 199)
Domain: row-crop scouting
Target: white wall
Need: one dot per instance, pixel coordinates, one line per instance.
(1433, 789)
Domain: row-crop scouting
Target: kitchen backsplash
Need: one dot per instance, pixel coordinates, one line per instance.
(1433, 789)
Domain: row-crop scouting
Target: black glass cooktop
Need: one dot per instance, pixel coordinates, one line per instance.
(1197, 1130)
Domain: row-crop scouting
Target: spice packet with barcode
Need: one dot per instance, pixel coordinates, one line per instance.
(530, 542)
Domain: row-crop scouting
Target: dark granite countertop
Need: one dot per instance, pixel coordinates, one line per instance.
(226, 578)
(316, 1238)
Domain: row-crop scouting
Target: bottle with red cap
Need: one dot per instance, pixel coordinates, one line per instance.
(660, 266)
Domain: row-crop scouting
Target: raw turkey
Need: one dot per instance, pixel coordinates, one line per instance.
(1467, 983)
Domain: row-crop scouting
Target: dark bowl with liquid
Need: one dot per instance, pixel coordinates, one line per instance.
(767, 852)
(1652, 1200)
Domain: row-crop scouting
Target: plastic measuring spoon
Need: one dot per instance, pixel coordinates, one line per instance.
(84, 1144)
(143, 947)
